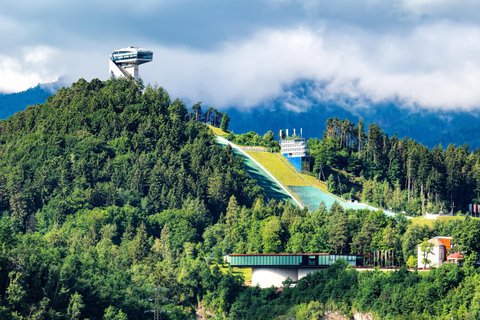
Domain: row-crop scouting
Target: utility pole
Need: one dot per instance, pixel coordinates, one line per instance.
(158, 296)
(157, 315)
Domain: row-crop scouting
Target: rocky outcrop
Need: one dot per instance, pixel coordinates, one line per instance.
(334, 315)
(361, 316)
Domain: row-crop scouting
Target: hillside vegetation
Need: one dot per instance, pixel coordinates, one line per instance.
(14, 102)
(108, 195)
(393, 172)
(104, 190)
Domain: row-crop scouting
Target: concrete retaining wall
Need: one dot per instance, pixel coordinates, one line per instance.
(302, 272)
(266, 277)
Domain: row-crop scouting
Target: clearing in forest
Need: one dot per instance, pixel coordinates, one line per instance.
(217, 131)
(429, 222)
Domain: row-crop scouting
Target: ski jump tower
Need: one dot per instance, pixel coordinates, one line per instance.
(124, 62)
(295, 149)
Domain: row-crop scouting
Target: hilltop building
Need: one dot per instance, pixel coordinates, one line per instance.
(273, 269)
(296, 151)
(124, 62)
(441, 245)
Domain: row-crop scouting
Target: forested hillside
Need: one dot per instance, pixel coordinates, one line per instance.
(392, 172)
(97, 187)
(110, 197)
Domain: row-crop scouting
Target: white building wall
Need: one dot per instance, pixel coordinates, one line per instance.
(132, 70)
(436, 257)
(114, 69)
(302, 272)
(295, 147)
(266, 277)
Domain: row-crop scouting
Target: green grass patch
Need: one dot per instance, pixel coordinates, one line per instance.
(315, 182)
(429, 222)
(245, 272)
(277, 168)
(311, 180)
(217, 131)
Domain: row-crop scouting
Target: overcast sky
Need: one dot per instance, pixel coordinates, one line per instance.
(423, 53)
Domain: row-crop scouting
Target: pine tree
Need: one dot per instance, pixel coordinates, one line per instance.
(225, 122)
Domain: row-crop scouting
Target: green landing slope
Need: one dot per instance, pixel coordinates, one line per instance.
(273, 188)
(287, 184)
(307, 189)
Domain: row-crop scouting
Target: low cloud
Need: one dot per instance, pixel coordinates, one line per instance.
(32, 66)
(433, 66)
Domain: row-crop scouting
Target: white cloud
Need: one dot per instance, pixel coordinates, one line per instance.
(38, 55)
(34, 66)
(433, 66)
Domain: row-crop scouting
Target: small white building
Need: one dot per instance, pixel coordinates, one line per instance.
(439, 252)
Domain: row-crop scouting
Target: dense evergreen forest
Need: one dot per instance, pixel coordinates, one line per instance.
(100, 185)
(110, 196)
(390, 172)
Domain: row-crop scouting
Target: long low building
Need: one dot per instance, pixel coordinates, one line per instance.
(273, 269)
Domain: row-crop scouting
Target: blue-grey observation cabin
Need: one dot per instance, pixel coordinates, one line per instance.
(124, 62)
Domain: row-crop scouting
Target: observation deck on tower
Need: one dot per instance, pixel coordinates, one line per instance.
(124, 62)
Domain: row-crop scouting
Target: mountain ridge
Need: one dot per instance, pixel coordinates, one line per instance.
(299, 107)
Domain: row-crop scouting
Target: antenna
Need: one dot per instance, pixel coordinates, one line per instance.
(301, 135)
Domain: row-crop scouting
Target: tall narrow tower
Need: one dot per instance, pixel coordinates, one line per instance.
(124, 62)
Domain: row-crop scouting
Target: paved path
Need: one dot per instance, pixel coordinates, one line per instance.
(273, 188)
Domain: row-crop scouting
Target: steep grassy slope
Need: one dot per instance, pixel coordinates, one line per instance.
(278, 168)
(217, 131)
